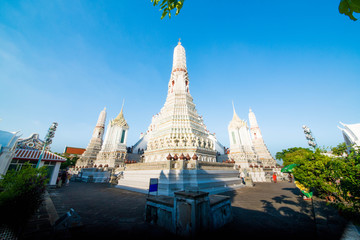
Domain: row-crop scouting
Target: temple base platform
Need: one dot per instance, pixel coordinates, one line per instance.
(179, 175)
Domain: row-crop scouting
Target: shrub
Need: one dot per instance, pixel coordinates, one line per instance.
(335, 178)
(22, 194)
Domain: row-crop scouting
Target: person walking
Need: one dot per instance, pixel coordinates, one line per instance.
(68, 177)
(274, 178)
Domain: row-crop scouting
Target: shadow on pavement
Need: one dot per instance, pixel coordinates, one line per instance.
(264, 211)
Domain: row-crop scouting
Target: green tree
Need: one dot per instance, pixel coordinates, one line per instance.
(340, 149)
(348, 7)
(348, 175)
(70, 160)
(293, 155)
(166, 6)
(336, 179)
(316, 173)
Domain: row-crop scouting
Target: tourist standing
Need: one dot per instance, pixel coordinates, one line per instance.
(59, 181)
(290, 177)
(274, 178)
(68, 176)
(242, 176)
(68, 180)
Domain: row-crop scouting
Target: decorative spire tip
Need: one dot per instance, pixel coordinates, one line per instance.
(122, 105)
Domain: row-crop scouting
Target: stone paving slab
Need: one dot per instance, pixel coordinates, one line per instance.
(273, 210)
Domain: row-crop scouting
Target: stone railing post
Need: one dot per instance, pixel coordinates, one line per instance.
(191, 212)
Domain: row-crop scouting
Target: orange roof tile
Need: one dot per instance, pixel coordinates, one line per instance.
(74, 150)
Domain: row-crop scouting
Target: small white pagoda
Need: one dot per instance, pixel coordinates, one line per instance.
(241, 147)
(88, 158)
(258, 142)
(248, 150)
(113, 151)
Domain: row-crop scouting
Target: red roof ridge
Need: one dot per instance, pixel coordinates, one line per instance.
(34, 154)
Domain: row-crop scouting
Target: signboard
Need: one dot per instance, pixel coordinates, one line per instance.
(153, 185)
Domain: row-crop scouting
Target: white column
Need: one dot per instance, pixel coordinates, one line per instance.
(126, 135)
(55, 174)
(239, 140)
(106, 136)
(41, 164)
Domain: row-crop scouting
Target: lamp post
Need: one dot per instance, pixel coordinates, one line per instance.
(309, 137)
(48, 140)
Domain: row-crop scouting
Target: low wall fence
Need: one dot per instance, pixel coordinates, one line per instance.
(180, 164)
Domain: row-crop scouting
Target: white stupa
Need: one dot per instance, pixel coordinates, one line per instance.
(178, 129)
(88, 158)
(248, 150)
(179, 151)
(241, 147)
(258, 142)
(113, 151)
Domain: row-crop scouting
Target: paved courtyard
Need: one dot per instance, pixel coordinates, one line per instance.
(278, 211)
(266, 210)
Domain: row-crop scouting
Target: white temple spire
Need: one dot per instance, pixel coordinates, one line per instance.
(102, 118)
(89, 156)
(179, 58)
(252, 119)
(240, 141)
(99, 128)
(258, 142)
(178, 129)
(120, 119)
(236, 118)
(122, 106)
(113, 151)
(179, 80)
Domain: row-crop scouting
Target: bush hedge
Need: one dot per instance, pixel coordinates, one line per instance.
(22, 193)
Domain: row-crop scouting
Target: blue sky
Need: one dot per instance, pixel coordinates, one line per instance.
(293, 63)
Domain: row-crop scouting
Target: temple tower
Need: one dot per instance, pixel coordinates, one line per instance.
(179, 150)
(241, 148)
(113, 151)
(258, 142)
(178, 130)
(89, 156)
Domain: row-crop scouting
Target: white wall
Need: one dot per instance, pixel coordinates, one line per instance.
(141, 144)
(5, 159)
